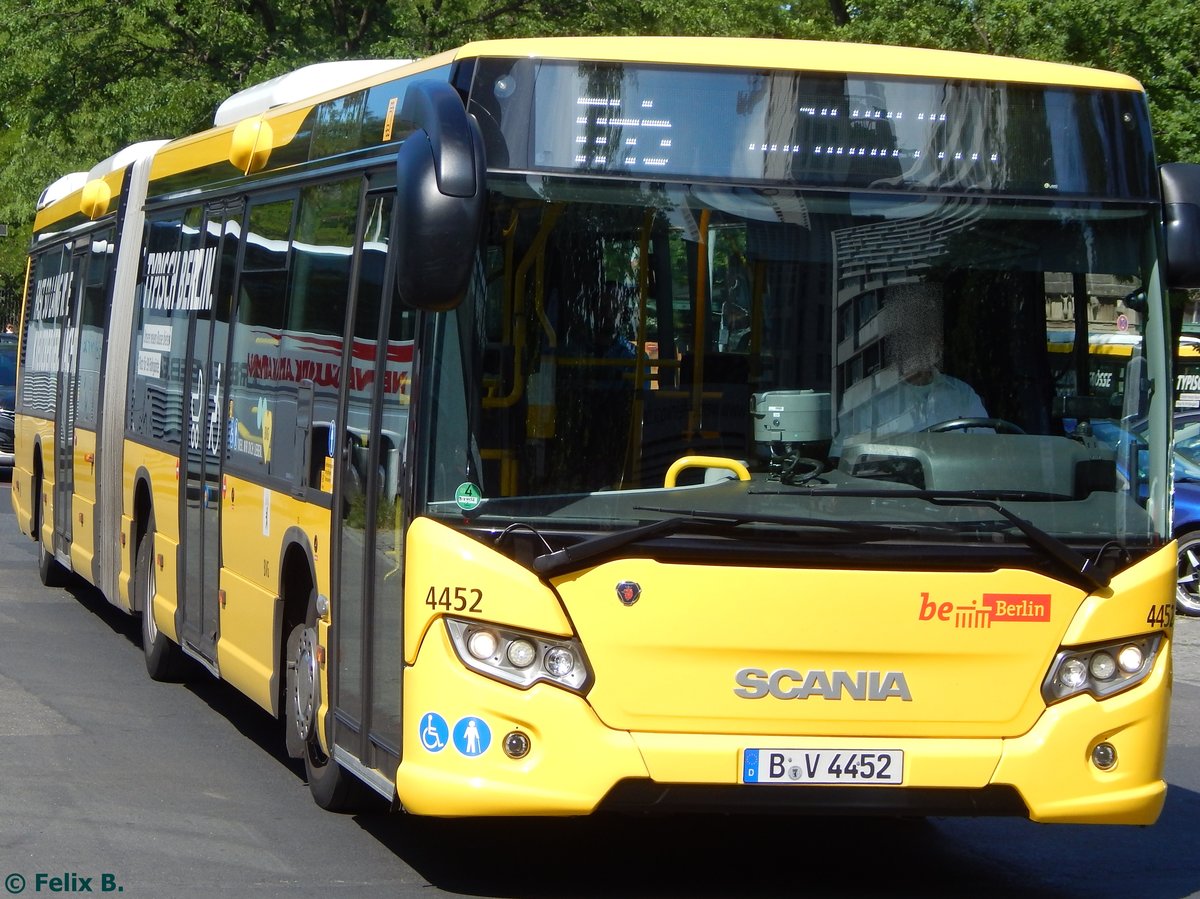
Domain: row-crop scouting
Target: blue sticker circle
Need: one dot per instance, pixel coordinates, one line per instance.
(435, 732)
(472, 736)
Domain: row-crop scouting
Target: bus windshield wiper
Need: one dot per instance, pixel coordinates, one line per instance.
(1076, 563)
(1079, 565)
(572, 556)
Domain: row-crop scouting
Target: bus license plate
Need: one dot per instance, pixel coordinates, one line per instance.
(823, 766)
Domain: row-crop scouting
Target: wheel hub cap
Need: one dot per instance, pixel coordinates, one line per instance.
(307, 682)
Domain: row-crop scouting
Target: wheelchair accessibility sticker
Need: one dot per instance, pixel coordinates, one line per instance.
(435, 732)
(472, 736)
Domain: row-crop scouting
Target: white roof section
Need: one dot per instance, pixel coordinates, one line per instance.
(68, 184)
(125, 157)
(65, 185)
(299, 85)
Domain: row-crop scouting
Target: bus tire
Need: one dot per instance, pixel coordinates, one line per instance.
(332, 787)
(50, 572)
(1187, 583)
(164, 660)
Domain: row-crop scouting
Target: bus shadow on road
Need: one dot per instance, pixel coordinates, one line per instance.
(241, 712)
(695, 856)
(93, 600)
(246, 716)
(710, 856)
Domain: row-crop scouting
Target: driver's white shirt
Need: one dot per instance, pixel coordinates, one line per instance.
(870, 411)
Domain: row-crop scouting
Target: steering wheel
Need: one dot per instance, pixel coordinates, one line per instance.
(999, 425)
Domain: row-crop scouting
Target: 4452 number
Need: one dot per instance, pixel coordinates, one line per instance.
(455, 599)
(1161, 615)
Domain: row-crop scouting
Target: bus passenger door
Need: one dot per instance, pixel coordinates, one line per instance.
(368, 517)
(204, 430)
(64, 413)
(89, 335)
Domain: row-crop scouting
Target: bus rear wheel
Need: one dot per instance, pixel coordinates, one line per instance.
(332, 787)
(50, 572)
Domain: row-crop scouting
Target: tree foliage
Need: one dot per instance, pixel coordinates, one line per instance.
(1155, 41)
(141, 69)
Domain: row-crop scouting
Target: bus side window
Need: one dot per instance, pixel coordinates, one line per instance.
(91, 325)
(256, 334)
(47, 305)
(311, 344)
(160, 342)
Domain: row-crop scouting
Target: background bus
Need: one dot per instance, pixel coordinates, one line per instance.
(1187, 374)
(1111, 356)
(536, 428)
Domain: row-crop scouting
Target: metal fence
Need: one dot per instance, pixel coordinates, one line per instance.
(10, 301)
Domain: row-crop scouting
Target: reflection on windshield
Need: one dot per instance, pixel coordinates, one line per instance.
(1187, 449)
(817, 339)
(873, 131)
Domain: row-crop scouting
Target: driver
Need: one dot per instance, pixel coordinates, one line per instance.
(910, 393)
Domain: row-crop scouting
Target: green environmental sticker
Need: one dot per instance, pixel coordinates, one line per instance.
(468, 496)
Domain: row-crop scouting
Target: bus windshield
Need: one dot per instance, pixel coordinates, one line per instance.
(851, 353)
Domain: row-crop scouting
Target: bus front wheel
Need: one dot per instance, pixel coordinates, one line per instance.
(332, 787)
(164, 660)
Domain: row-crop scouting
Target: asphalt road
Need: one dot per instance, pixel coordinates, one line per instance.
(161, 790)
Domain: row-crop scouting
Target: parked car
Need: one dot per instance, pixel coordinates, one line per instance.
(1186, 503)
(1185, 500)
(8, 399)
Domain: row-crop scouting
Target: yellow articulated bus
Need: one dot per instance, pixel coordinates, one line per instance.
(572, 424)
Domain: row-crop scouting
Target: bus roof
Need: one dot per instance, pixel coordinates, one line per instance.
(308, 81)
(310, 84)
(62, 187)
(816, 56)
(285, 100)
(60, 202)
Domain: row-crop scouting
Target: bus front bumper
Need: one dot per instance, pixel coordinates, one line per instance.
(455, 764)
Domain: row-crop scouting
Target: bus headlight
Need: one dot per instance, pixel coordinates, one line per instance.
(522, 653)
(517, 657)
(1102, 669)
(481, 644)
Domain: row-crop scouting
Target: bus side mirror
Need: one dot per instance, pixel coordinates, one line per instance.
(1181, 221)
(440, 193)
